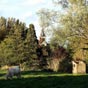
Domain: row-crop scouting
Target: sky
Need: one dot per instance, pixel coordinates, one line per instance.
(24, 10)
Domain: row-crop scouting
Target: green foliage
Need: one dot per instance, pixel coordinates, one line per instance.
(12, 45)
(30, 43)
(18, 44)
(2, 28)
(75, 25)
(70, 28)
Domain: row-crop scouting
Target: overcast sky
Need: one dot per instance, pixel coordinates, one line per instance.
(25, 10)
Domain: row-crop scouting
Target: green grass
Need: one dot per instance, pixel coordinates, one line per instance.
(44, 80)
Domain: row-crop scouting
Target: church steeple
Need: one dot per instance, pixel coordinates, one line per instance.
(42, 35)
(42, 40)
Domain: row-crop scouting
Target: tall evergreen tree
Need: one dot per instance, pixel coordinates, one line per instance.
(2, 28)
(12, 45)
(30, 44)
(19, 44)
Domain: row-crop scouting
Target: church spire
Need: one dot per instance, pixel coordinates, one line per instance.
(42, 40)
(42, 35)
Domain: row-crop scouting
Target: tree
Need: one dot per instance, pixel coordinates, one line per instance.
(75, 24)
(47, 20)
(19, 44)
(2, 28)
(12, 46)
(72, 27)
(30, 45)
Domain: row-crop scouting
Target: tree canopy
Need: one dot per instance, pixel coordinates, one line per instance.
(17, 42)
(69, 25)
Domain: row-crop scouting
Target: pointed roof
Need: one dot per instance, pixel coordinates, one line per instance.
(42, 40)
(42, 33)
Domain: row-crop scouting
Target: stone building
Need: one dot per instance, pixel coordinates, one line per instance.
(78, 67)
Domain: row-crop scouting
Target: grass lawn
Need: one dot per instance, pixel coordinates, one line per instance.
(44, 80)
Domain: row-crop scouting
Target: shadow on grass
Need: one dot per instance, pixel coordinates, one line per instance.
(67, 81)
(38, 72)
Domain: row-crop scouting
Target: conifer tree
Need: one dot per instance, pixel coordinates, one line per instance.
(2, 28)
(30, 44)
(12, 45)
